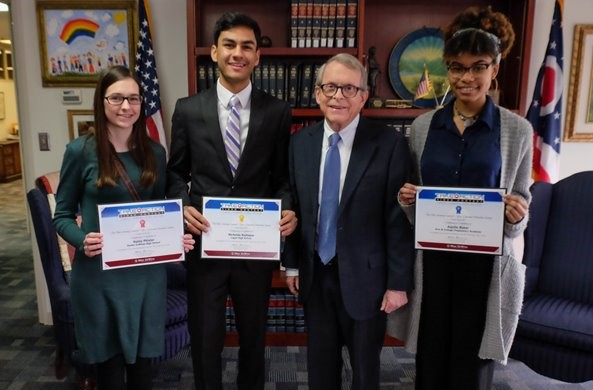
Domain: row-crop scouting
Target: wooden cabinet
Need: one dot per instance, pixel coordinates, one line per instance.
(10, 161)
(381, 23)
(6, 68)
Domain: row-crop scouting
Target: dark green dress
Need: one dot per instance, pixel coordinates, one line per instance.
(119, 311)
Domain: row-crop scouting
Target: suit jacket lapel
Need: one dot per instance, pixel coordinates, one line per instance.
(212, 124)
(362, 151)
(313, 160)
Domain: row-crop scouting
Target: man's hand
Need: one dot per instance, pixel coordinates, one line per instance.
(393, 300)
(288, 223)
(292, 282)
(195, 222)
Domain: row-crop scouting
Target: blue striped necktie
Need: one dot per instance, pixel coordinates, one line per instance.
(232, 141)
(330, 199)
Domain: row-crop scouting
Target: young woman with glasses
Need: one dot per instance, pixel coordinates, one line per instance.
(119, 314)
(465, 306)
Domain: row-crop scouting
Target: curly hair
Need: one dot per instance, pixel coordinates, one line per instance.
(479, 31)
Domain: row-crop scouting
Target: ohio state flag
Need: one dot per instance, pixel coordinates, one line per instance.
(545, 112)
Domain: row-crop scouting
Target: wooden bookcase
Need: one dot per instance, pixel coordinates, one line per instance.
(381, 23)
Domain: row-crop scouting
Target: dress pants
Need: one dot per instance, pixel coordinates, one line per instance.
(209, 283)
(452, 319)
(329, 328)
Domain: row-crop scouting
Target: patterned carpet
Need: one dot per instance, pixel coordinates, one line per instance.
(27, 348)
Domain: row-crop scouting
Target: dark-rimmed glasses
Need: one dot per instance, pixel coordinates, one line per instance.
(475, 70)
(348, 91)
(118, 100)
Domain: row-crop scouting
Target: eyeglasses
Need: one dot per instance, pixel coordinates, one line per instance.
(475, 70)
(118, 100)
(348, 91)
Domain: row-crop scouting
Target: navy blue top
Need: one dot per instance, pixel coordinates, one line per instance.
(471, 159)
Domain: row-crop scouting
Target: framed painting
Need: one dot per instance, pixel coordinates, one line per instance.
(80, 38)
(79, 122)
(578, 126)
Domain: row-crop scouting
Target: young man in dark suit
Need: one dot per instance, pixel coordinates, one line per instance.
(350, 260)
(231, 141)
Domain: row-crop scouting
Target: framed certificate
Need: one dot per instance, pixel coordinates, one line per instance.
(245, 229)
(141, 233)
(460, 219)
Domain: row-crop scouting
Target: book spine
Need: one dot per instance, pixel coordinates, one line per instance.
(309, 23)
(293, 85)
(202, 80)
(306, 76)
(351, 23)
(265, 77)
(281, 81)
(294, 23)
(331, 23)
(273, 79)
(324, 22)
(317, 23)
(302, 23)
(312, 101)
(340, 23)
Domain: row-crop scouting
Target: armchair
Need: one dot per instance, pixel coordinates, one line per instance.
(57, 278)
(555, 332)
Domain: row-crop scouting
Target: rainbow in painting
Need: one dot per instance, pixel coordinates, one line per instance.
(77, 28)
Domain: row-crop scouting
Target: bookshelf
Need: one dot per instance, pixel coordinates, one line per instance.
(380, 23)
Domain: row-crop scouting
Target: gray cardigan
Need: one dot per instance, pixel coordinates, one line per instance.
(505, 296)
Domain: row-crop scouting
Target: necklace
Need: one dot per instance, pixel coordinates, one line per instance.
(467, 120)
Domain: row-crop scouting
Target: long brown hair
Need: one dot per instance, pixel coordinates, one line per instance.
(138, 143)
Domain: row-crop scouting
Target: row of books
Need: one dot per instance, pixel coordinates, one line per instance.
(293, 82)
(285, 314)
(323, 23)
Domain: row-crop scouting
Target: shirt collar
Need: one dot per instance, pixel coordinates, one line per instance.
(487, 115)
(224, 95)
(346, 134)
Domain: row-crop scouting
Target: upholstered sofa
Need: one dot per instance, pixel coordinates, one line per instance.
(555, 333)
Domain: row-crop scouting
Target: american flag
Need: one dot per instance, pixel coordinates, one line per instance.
(424, 85)
(146, 70)
(546, 108)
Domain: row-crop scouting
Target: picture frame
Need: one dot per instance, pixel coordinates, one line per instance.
(578, 126)
(79, 122)
(2, 106)
(79, 38)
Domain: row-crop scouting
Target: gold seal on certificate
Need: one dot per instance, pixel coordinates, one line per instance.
(141, 233)
(241, 228)
(460, 219)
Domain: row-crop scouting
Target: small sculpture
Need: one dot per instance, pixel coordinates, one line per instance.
(373, 71)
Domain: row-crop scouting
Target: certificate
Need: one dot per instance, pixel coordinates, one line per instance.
(241, 228)
(460, 219)
(141, 233)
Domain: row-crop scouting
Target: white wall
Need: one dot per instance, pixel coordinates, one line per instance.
(574, 156)
(40, 109)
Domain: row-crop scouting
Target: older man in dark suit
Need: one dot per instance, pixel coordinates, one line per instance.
(232, 141)
(350, 261)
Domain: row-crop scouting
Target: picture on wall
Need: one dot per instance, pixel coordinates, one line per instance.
(579, 109)
(78, 39)
(80, 122)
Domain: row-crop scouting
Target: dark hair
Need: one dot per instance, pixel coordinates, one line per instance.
(479, 31)
(138, 143)
(230, 20)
